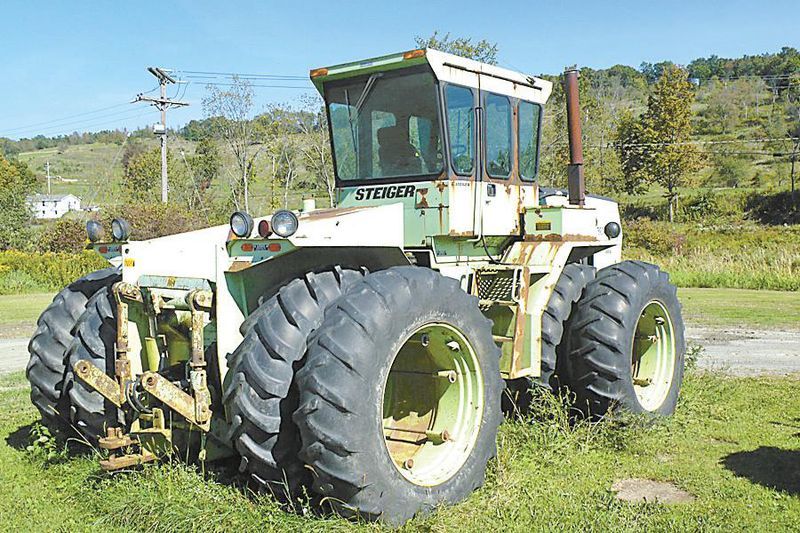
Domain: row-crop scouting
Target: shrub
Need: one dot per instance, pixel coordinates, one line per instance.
(47, 271)
(656, 238)
(151, 220)
(776, 209)
(64, 235)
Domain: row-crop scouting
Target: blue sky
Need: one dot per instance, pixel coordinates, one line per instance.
(71, 58)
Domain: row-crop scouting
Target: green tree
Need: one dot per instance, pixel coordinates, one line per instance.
(632, 152)
(229, 110)
(659, 149)
(16, 182)
(730, 170)
(206, 163)
(315, 146)
(142, 177)
(483, 50)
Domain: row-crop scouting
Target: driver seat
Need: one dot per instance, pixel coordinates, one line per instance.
(396, 154)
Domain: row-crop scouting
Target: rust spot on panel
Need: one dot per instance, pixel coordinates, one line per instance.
(555, 237)
(519, 324)
(441, 185)
(422, 203)
(321, 214)
(441, 218)
(238, 266)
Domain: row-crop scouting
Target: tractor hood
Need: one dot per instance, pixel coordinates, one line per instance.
(204, 253)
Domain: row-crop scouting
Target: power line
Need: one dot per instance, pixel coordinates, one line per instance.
(75, 123)
(163, 103)
(306, 87)
(193, 73)
(35, 124)
(683, 143)
(93, 123)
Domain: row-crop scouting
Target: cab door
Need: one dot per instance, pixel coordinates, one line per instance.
(461, 112)
(499, 187)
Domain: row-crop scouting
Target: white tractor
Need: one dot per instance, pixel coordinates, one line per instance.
(362, 351)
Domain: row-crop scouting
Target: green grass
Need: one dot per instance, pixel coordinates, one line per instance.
(23, 308)
(733, 444)
(740, 307)
(18, 313)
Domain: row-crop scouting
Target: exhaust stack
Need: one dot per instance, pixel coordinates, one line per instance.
(575, 182)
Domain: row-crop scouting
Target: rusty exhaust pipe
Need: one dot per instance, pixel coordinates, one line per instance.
(575, 182)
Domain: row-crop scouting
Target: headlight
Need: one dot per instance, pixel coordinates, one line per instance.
(612, 230)
(120, 229)
(94, 230)
(241, 224)
(284, 223)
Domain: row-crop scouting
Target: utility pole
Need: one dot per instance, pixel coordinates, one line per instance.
(162, 104)
(47, 167)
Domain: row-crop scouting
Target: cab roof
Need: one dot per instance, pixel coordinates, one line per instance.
(448, 68)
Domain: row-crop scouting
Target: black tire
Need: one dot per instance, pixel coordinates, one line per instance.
(95, 335)
(602, 336)
(341, 393)
(566, 293)
(48, 346)
(258, 396)
(555, 351)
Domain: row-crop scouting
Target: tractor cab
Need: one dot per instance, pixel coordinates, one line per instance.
(454, 140)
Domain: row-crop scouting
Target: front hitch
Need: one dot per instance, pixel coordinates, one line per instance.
(149, 433)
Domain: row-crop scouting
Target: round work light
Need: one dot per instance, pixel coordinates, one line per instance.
(612, 230)
(94, 230)
(120, 229)
(284, 223)
(241, 224)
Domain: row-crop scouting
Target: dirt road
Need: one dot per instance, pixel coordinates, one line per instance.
(735, 351)
(745, 352)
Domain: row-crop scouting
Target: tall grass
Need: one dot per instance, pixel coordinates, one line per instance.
(766, 268)
(732, 256)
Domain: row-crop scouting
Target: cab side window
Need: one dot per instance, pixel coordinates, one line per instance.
(461, 128)
(528, 140)
(498, 136)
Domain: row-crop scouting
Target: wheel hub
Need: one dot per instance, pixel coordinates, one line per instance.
(653, 357)
(432, 404)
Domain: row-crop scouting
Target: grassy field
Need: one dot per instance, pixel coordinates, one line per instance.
(705, 307)
(733, 445)
(741, 308)
(18, 313)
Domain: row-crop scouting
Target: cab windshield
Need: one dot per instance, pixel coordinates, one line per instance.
(385, 125)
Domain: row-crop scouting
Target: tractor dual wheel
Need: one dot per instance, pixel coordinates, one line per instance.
(48, 346)
(258, 395)
(95, 335)
(399, 396)
(627, 342)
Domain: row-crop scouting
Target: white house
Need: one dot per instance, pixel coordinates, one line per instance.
(53, 205)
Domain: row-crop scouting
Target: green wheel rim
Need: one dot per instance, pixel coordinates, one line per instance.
(432, 404)
(653, 356)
